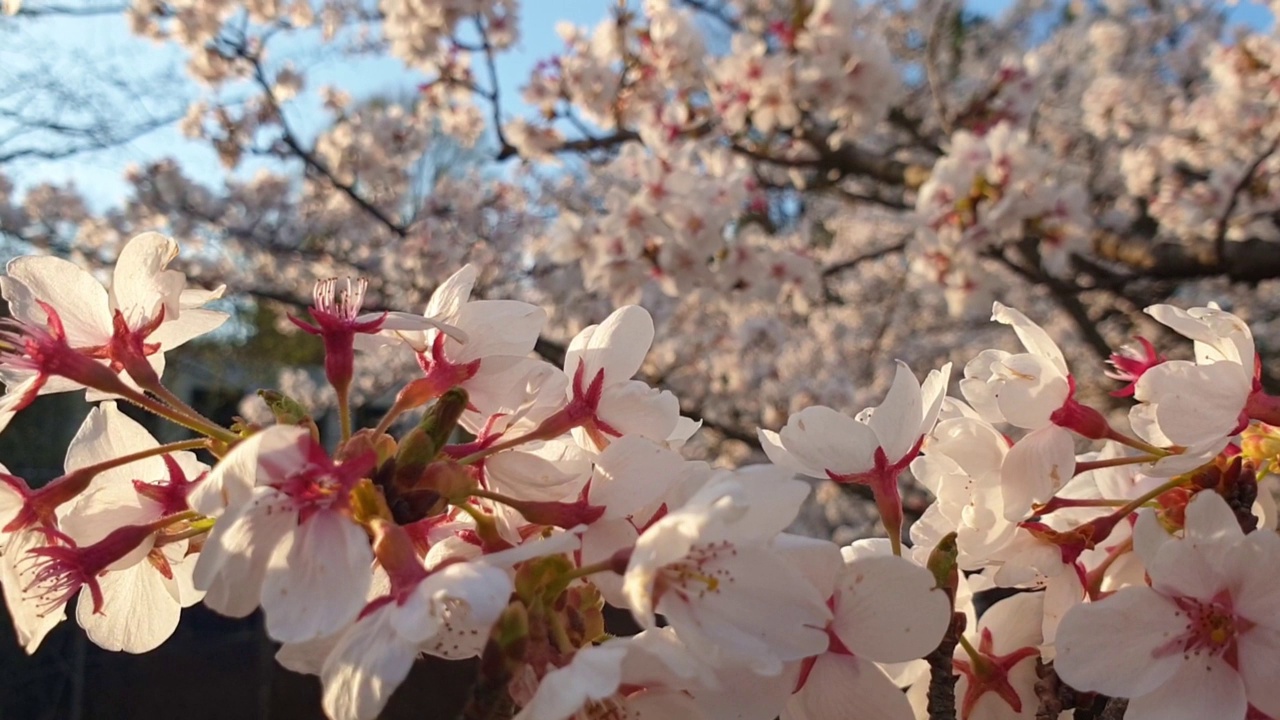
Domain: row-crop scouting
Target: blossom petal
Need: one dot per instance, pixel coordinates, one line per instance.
(1259, 650)
(447, 301)
(896, 421)
(838, 683)
(826, 441)
(321, 582)
(141, 285)
(1033, 337)
(594, 674)
(140, 610)
(366, 665)
(1120, 646)
(888, 610)
(233, 563)
(80, 300)
(1206, 687)
(618, 345)
(1036, 467)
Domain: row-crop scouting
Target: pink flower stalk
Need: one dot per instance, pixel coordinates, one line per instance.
(988, 672)
(171, 495)
(36, 354)
(997, 677)
(58, 572)
(338, 320)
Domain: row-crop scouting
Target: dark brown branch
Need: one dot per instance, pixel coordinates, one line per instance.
(1224, 220)
(1247, 261)
(942, 674)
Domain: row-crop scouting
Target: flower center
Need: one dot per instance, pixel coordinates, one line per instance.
(1211, 627)
(700, 572)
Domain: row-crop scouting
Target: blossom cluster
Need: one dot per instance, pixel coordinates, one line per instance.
(527, 497)
(773, 165)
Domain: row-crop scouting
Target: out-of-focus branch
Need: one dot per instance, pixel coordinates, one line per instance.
(1224, 220)
(26, 10)
(842, 266)
(290, 139)
(1064, 295)
(932, 75)
(1248, 261)
(719, 13)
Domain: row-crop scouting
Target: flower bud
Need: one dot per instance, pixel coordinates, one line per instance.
(288, 411)
(944, 565)
(448, 479)
(1082, 420)
(1260, 443)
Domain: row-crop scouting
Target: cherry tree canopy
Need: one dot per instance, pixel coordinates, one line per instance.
(799, 190)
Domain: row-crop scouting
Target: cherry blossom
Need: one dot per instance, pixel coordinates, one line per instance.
(872, 450)
(289, 535)
(711, 569)
(1199, 639)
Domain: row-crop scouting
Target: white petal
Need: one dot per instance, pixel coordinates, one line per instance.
(497, 327)
(1209, 520)
(888, 610)
(233, 562)
(1036, 467)
(1202, 687)
(1195, 403)
(838, 683)
(594, 674)
(233, 478)
(1033, 337)
(79, 299)
(31, 623)
(140, 284)
(447, 301)
(368, 663)
(1120, 646)
(933, 391)
(824, 440)
(140, 610)
(618, 345)
(1028, 390)
(1015, 623)
(1259, 652)
(192, 324)
(483, 589)
(896, 421)
(1252, 567)
(107, 434)
(818, 560)
(633, 408)
(322, 582)
(632, 475)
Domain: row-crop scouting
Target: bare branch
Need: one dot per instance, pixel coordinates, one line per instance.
(290, 139)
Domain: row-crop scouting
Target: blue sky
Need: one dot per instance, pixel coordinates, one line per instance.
(99, 175)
